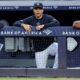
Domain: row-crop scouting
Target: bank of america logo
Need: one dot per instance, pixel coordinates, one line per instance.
(38, 4)
(47, 31)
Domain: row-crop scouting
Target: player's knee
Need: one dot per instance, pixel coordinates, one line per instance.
(41, 53)
(56, 47)
(55, 44)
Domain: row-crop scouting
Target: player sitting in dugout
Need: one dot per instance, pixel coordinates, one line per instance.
(41, 21)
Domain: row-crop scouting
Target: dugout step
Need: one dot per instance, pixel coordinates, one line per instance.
(25, 72)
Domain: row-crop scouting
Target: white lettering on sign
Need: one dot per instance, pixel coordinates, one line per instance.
(70, 33)
(20, 33)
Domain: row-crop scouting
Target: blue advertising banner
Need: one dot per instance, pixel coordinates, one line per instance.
(51, 31)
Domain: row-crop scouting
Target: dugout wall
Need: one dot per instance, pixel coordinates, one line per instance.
(24, 59)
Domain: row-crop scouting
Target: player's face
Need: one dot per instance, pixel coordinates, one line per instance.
(38, 12)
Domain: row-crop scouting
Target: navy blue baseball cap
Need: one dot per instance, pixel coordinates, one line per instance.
(38, 5)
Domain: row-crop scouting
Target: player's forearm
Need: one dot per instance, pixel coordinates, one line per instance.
(52, 24)
(20, 22)
(17, 24)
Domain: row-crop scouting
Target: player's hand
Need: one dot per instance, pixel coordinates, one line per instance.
(27, 27)
(39, 27)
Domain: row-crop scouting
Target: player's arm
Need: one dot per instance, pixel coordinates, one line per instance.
(51, 22)
(27, 27)
(24, 24)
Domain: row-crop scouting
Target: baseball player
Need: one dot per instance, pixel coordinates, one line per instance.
(41, 21)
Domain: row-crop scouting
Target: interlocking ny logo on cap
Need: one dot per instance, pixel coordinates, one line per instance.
(37, 4)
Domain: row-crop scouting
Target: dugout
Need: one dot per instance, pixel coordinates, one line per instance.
(66, 18)
(22, 63)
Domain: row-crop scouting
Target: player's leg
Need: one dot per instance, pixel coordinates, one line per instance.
(55, 66)
(41, 59)
(53, 50)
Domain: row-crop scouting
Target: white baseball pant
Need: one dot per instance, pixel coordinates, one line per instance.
(42, 56)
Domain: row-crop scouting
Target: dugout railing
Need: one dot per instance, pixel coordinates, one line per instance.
(64, 70)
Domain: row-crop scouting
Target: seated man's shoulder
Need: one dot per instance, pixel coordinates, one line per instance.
(48, 16)
(30, 17)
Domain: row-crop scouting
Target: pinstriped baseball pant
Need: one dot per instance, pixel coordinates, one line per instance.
(42, 56)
